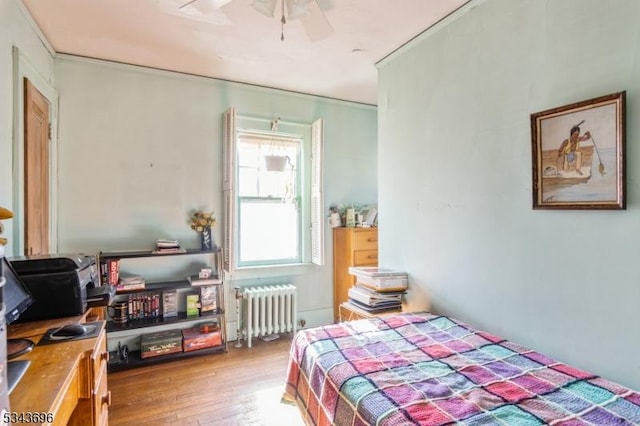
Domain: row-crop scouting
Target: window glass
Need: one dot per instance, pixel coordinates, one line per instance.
(268, 198)
(269, 232)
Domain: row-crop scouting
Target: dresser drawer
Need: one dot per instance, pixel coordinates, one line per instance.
(365, 240)
(365, 257)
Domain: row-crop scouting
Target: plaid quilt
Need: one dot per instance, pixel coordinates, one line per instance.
(433, 370)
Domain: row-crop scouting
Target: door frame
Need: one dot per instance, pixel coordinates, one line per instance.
(23, 68)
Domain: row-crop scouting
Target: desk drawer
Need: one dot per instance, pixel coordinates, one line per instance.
(365, 240)
(101, 399)
(99, 356)
(365, 257)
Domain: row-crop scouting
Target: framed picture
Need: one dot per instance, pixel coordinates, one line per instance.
(578, 154)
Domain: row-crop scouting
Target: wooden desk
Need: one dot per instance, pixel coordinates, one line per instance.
(67, 379)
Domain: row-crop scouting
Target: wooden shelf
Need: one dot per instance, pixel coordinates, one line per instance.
(134, 360)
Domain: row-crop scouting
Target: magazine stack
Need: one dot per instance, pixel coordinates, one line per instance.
(377, 289)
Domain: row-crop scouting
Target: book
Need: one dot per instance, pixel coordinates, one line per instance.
(193, 305)
(130, 279)
(208, 298)
(375, 272)
(195, 280)
(382, 286)
(170, 303)
(366, 312)
(113, 266)
(373, 298)
(393, 306)
(143, 305)
(128, 282)
(167, 244)
(169, 250)
(130, 287)
(380, 279)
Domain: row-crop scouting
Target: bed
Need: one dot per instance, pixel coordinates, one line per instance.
(419, 368)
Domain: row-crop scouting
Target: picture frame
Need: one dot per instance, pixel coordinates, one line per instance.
(369, 215)
(578, 155)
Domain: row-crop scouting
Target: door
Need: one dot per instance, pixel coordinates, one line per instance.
(36, 171)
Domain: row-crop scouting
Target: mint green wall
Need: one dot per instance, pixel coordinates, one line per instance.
(140, 148)
(455, 178)
(16, 31)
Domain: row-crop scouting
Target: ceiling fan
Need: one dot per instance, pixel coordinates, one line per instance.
(309, 12)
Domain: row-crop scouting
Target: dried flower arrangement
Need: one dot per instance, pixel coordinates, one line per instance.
(201, 220)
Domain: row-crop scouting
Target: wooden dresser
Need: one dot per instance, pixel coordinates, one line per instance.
(351, 247)
(67, 380)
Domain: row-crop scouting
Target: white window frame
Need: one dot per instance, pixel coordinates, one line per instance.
(268, 141)
(311, 188)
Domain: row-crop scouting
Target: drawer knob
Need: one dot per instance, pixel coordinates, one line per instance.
(107, 398)
(104, 356)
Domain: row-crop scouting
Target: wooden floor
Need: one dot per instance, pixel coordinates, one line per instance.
(241, 387)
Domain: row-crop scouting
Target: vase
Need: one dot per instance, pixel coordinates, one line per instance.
(206, 240)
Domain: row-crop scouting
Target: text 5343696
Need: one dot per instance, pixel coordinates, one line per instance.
(9, 417)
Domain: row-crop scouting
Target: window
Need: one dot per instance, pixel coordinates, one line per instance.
(272, 193)
(268, 199)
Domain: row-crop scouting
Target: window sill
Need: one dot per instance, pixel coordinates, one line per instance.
(264, 271)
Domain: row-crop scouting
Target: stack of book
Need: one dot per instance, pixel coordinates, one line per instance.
(377, 289)
(168, 246)
(373, 301)
(128, 282)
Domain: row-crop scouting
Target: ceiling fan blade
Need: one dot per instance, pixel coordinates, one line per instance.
(204, 6)
(207, 11)
(209, 6)
(297, 8)
(315, 23)
(266, 7)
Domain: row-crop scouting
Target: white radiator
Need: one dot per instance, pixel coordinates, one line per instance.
(269, 310)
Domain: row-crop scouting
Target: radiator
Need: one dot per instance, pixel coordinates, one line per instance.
(269, 310)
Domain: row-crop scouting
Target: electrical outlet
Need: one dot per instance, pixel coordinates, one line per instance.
(301, 323)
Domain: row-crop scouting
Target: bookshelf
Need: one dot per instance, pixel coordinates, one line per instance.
(145, 314)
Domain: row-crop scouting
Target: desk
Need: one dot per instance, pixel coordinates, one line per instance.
(67, 379)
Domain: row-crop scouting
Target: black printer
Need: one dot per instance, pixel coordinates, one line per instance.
(57, 282)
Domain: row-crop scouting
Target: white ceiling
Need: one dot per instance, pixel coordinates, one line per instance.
(235, 42)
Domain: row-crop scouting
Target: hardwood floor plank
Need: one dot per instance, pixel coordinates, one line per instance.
(241, 387)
